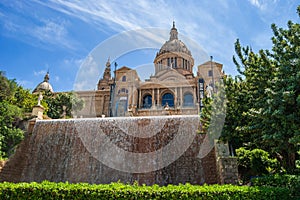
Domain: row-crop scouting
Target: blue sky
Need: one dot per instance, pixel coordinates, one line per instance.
(59, 36)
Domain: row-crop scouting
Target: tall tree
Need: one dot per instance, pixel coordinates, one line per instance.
(268, 96)
(281, 114)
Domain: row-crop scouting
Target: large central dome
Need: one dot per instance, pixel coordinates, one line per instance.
(174, 44)
(174, 54)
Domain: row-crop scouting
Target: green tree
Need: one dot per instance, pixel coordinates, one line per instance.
(236, 107)
(10, 134)
(57, 102)
(281, 112)
(264, 101)
(15, 101)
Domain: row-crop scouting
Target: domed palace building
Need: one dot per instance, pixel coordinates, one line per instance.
(173, 89)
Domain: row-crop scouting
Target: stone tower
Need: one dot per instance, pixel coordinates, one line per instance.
(104, 82)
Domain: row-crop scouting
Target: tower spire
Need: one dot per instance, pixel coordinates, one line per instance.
(108, 62)
(107, 75)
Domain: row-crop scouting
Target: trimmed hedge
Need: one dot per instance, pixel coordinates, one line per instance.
(49, 190)
(291, 182)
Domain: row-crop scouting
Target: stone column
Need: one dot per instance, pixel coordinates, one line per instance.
(181, 96)
(157, 96)
(140, 97)
(195, 96)
(175, 97)
(134, 96)
(153, 98)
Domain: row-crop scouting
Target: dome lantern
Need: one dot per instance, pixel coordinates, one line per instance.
(173, 33)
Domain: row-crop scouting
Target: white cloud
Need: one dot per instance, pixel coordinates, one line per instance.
(256, 3)
(40, 73)
(263, 5)
(72, 63)
(87, 75)
(193, 19)
(119, 16)
(40, 30)
(52, 32)
(56, 78)
(25, 83)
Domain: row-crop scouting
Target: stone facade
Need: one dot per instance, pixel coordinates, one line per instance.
(173, 85)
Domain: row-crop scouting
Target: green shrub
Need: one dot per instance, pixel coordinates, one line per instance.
(48, 190)
(256, 162)
(291, 182)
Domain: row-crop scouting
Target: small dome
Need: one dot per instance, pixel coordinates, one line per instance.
(44, 86)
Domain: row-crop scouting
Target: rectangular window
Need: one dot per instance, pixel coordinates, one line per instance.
(210, 73)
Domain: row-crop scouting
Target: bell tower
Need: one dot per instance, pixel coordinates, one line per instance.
(103, 83)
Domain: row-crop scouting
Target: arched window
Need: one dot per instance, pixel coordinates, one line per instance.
(147, 101)
(168, 98)
(188, 100)
(123, 78)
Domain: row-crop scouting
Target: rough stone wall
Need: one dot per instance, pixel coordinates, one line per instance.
(57, 151)
(227, 170)
(227, 166)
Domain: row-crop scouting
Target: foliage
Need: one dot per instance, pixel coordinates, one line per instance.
(236, 107)
(48, 190)
(15, 94)
(206, 115)
(292, 182)
(10, 135)
(57, 102)
(213, 114)
(256, 162)
(263, 102)
(15, 101)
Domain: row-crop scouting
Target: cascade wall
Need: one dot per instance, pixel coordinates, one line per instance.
(150, 150)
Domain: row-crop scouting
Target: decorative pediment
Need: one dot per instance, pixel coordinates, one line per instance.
(124, 68)
(170, 75)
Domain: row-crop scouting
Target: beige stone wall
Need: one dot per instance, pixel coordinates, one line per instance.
(204, 72)
(96, 103)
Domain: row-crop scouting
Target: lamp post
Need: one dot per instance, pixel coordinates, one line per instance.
(112, 92)
(212, 73)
